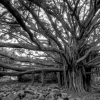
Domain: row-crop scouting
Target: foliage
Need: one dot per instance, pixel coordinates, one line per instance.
(24, 91)
(17, 91)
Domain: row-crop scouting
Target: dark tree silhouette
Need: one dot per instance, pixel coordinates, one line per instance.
(65, 34)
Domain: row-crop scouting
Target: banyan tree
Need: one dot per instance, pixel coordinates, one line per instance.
(64, 33)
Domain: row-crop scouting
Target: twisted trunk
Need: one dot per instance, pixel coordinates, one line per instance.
(76, 81)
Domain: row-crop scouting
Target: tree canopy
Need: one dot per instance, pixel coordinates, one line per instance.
(50, 33)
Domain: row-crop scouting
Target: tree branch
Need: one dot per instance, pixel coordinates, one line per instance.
(82, 58)
(46, 31)
(31, 71)
(31, 47)
(35, 61)
(16, 14)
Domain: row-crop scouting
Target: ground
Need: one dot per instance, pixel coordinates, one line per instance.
(14, 90)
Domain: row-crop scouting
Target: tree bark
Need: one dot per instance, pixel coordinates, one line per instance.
(59, 79)
(87, 80)
(79, 82)
(76, 81)
(65, 77)
(33, 78)
(42, 78)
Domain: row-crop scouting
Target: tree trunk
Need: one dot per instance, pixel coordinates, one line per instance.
(71, 81)
(42, 78)
(32, 78)
(59, 79)
(87, 80)
(76, 81)
(65, 77)
(79, 82)
(62, 78)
